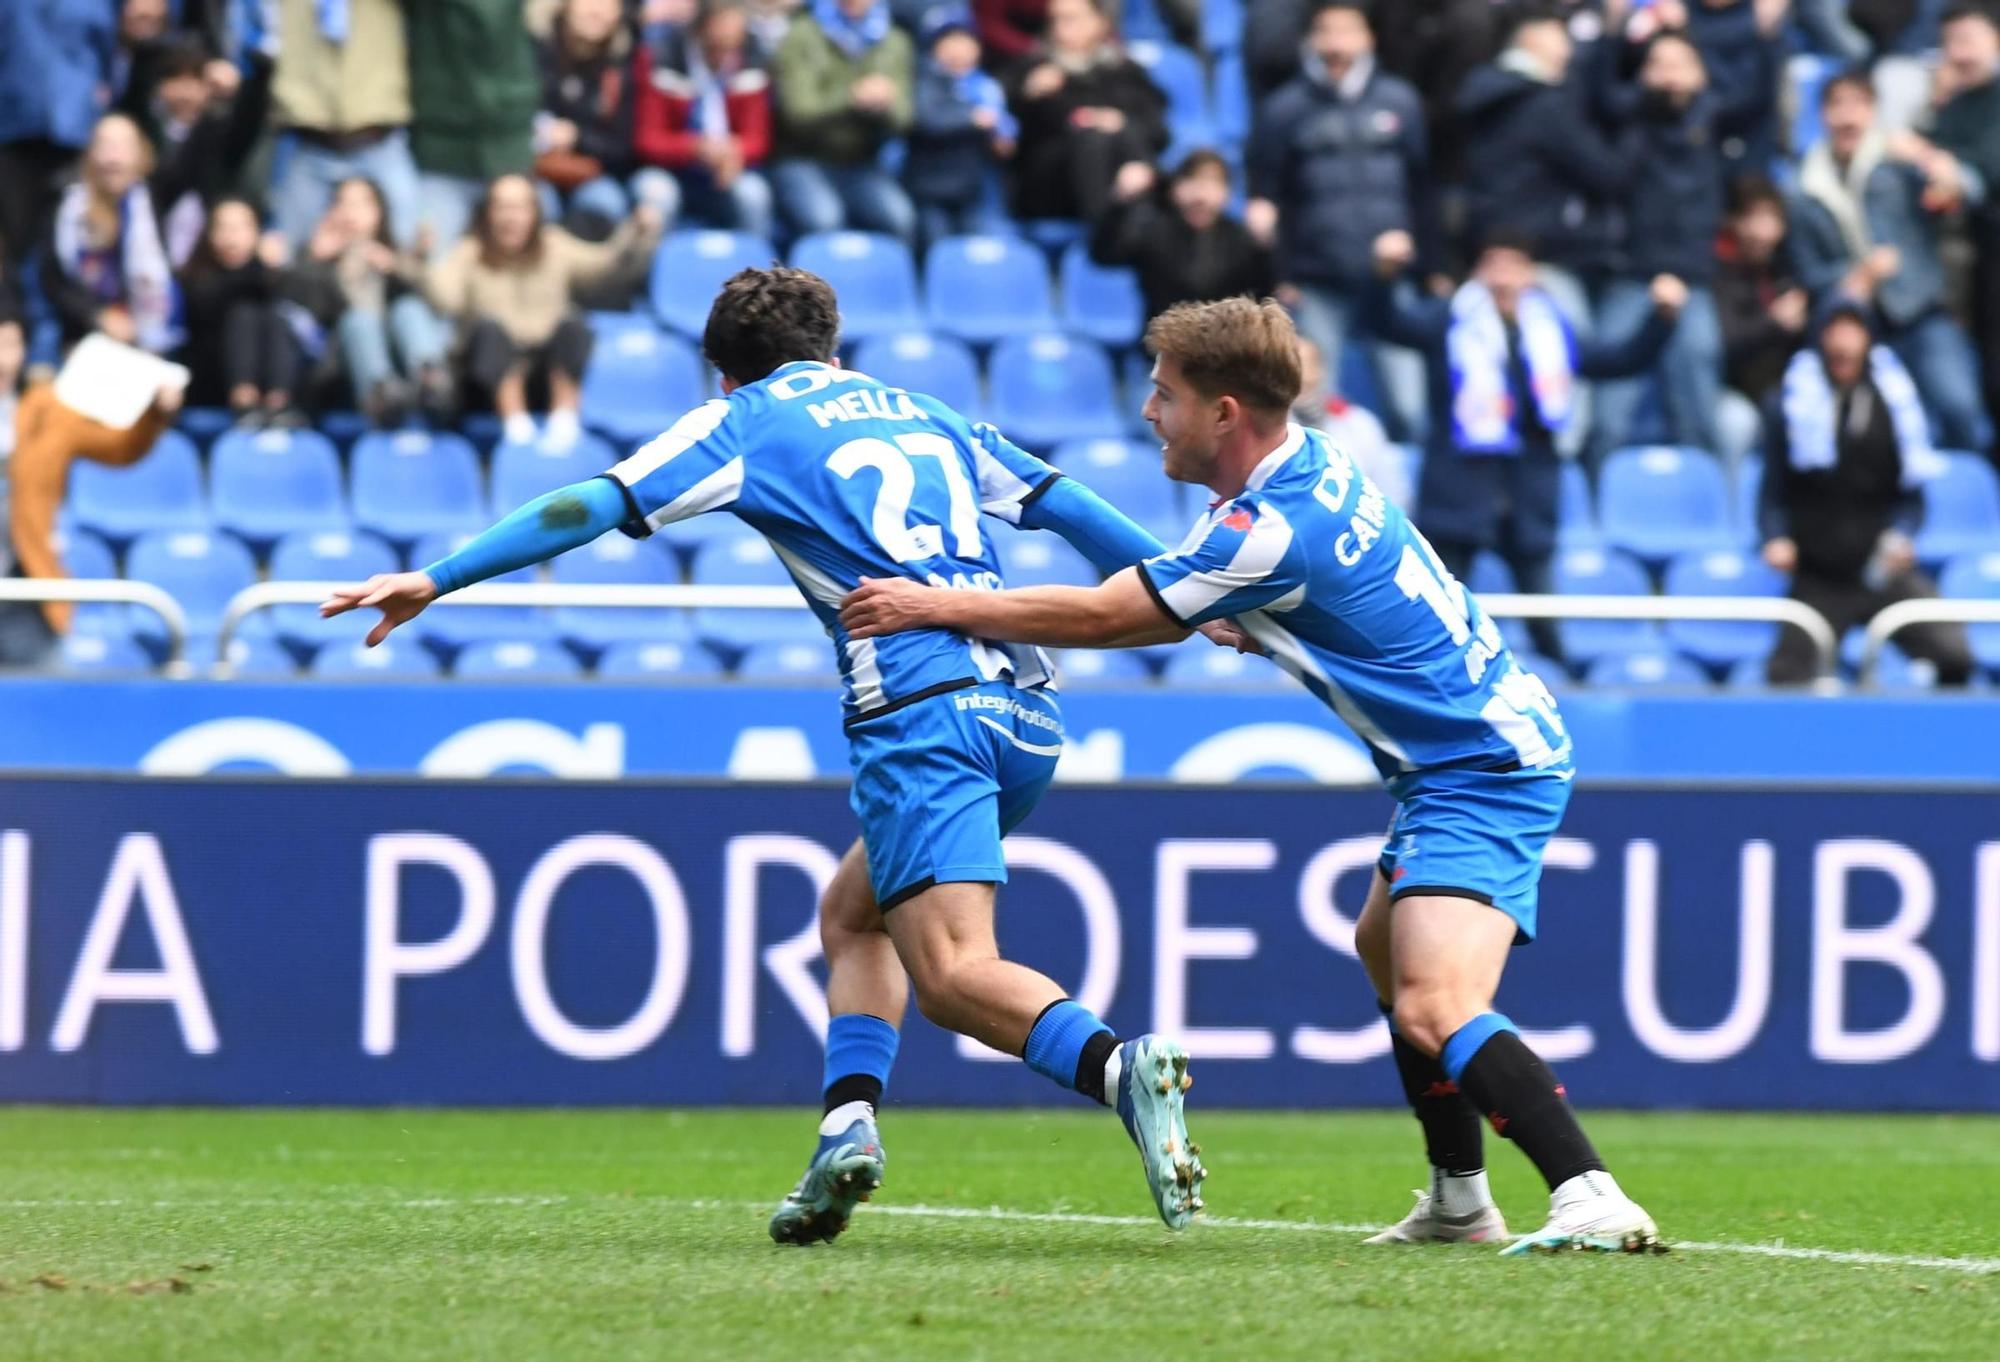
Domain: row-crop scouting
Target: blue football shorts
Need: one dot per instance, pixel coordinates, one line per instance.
(939, 782)
(1475, 834)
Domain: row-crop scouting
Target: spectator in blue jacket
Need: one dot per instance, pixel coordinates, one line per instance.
(1675, 210)
(1337, 158)
(55, 80)
(1734, 37)
(1502, 365)
(960, 135)
(1538, 165)
(1864, 224)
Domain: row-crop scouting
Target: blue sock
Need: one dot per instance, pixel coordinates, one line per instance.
(1465, 1042)
(860, 1050)
(1058, 1040)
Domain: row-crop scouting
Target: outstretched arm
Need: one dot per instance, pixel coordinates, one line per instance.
(1121, 613)
(547, 526)
(1091, 525)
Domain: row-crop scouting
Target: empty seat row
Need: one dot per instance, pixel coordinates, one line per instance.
(980, 289)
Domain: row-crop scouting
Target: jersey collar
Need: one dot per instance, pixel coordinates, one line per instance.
(1268, 466)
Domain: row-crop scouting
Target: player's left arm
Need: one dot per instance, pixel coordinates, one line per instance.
(1023, 490)
(1120, 613)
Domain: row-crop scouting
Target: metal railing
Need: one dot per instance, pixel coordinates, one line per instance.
(1892, 620)
(267, 594)
(109, 591)
(1751, 609)
(1740, 609)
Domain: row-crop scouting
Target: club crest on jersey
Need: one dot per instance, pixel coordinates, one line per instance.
(1239, 520)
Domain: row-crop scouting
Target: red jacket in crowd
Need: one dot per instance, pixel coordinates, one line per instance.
(661, 131)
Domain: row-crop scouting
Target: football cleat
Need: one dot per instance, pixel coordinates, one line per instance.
(1428, 1224)
(1151, 1103)
(1590, 1212)
(845, 1171)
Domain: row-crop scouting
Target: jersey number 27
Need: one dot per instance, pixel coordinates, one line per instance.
(895, 462)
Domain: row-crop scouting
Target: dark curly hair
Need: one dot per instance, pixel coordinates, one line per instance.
(764, 318)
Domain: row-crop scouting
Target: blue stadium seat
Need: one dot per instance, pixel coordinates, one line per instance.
(1897, 670)
(335, 556)
(1647, 668)
(1128, 474)
(629, 660)
(874, 276)
(985, 288)
(1135, 385)
(413, 483)
(1141, 21)
(1976, 577)
(205, 425)
(1038, 558)
(522, 472)
(1222, 26)
(745, 558)
(689, 269)
(1722, 644)
(1749, 488)
(1178, 73)
(1051, 388)
(388, 661)
(1748, 674)
(85, 556)
(1602, 572)
(639, 381)
(160, 492)
(614, 559)
(99, 654)
(1807, 73)
(1655, 502)
(1088, 668)
(800, 661)
(1232, 99)
(342, 427)
(199, 570)
(516, 660)
(1202, 665)
(253, 657)
(447, 628)
(1100, 301)
(1576, 514)
(1961, 510)
(1490, 576)
(264, 485)
(937, 366)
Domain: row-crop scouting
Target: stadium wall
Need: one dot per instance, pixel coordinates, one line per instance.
(369, 941)
(774, 731)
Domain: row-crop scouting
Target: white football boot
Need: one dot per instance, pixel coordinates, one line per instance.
(1428, 1224)
(1591, 1212)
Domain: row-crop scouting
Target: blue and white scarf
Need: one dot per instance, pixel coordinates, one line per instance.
(146, 277)
(1812, 410)
(1482, 405)
(977, 90)
(708, 112)
(852, 36)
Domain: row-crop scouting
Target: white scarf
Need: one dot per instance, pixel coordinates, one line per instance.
(1821, 181)
(1812, 409)
(148, 275)
(1482, 408)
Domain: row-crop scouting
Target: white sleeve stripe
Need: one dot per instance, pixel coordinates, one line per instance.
(717, 490)
(1000, 490)
(679, 438)
(1256, 558)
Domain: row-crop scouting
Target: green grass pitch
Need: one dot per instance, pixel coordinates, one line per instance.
(620, 1234)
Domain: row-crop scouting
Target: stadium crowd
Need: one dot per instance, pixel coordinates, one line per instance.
(423, 212)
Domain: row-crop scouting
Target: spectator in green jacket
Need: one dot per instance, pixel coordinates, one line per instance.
(844, 76)
(475, 90)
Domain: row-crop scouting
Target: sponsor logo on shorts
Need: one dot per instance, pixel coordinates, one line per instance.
(1008, 705)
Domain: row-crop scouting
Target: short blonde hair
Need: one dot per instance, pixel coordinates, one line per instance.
(1238, 347)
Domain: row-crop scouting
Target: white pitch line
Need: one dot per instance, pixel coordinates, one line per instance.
(1849, 1257)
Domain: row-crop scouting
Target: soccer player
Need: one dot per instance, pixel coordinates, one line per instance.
(1329, 579)
(953, 739)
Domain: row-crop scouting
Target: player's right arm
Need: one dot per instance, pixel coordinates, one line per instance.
(1121, 613)
(544, 528)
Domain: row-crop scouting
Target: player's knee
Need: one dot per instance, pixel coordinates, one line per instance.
(1426, 1017)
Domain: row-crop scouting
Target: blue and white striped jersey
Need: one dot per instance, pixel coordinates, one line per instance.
(1337, 585)
(850, 478)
